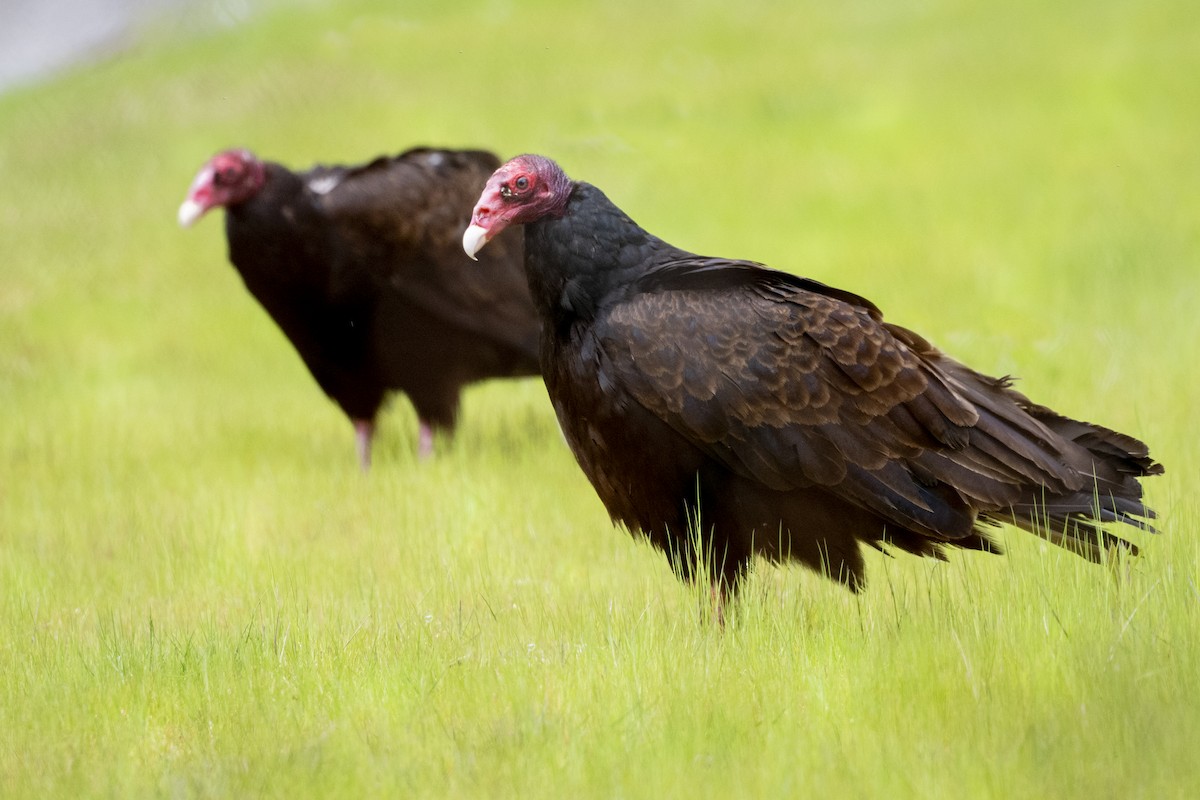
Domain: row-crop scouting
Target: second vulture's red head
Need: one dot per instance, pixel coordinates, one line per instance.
(229, 178)
(525, 189)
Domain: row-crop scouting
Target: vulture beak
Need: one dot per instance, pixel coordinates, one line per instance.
(199, 197)
(189, 212)
(474, 238)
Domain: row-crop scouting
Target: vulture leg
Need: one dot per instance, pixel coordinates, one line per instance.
(424, 440)
(364, 432)
(718, 594)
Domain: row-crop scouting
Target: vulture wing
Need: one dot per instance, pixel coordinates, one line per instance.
(399, 221)
(795, 385)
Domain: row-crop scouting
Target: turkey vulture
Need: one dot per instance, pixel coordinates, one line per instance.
(725, 409)
(361, 268)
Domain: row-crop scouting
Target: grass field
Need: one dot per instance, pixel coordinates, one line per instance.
(200, 596)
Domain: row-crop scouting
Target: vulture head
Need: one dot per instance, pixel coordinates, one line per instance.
(525, 189)
(229, 178)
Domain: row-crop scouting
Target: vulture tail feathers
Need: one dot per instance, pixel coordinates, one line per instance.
(1067, 479)
(1076, 520)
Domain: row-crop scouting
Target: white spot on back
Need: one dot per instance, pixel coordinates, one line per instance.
(323, 184)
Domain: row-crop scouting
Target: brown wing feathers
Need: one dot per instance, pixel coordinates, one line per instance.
(826, 395)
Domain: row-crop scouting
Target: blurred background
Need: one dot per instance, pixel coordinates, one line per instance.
(38, 39)
(1016, 181)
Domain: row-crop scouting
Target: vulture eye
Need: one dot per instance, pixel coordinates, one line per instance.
(522, 183)
(225, 176)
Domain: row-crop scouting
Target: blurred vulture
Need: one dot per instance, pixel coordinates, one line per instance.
(725, 409)
(361, 268)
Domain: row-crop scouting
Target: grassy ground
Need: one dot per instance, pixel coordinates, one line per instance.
(200, 596)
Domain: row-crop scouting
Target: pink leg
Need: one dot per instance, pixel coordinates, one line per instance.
(364, 432)
(716, 599)
(424, 441)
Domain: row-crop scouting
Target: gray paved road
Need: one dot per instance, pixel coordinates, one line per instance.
(38, 37)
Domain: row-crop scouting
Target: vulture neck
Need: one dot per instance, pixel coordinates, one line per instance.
(273, 234)
(587, 258)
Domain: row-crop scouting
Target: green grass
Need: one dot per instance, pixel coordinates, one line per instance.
(201, 597)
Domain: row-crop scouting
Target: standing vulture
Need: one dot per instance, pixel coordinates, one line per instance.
(361, 268)
(725, 409)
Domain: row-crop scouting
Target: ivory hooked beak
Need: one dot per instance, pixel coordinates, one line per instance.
(474, 238)
(189, 212)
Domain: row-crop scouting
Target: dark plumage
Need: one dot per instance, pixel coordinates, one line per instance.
(362, 270)
(784, 416)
